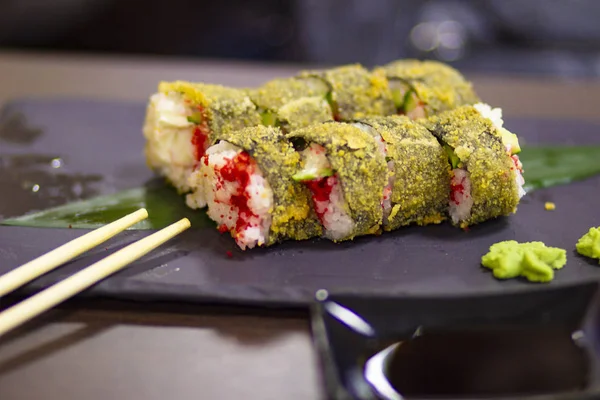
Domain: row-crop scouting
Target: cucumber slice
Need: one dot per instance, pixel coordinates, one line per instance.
(398, 98)
(195, 118)
(309, 175)
(269, 118)
(332, 104)
(452, 157)
(410, 101)
(511, 139)
(329, 98)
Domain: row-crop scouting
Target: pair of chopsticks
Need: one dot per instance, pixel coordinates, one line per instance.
(63, 290)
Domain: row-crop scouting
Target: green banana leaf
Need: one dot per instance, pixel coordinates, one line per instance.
(163, 203)
(544, 166)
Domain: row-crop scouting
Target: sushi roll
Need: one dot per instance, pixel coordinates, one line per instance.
(345, 174)
(181, 120)
(246, 180)
(292, 103)
(418, 186)
(424, 88)
(487, 179)
(354, 92)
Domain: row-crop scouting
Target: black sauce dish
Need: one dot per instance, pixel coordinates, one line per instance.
(540, 343)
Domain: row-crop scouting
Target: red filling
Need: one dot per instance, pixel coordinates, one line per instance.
(516, 162)
(200, 141)
(456, 188)
(321, 189)
(240, 169)
(200, 137)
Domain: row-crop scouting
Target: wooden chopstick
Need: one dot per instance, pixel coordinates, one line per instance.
(49, 261)
(43, 301)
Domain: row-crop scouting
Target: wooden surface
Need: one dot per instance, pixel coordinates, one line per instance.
(112, 353)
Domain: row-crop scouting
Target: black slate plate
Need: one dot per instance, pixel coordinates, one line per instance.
(102, 142)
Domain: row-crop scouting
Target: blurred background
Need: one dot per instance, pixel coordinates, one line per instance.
(554, 37)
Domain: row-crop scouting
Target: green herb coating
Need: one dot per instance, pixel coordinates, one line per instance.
(421, 184)
(356, 92)
(278, 92)
(589, 244)
(532, 260)
(226, 109)
(479, 147)
(361, 169)
(438, 85)
(292, 214)
(304, 112)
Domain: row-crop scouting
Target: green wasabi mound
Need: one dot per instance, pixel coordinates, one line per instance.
(532, 260)
(589, 244)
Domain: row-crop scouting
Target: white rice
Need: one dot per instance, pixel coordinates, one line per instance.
(335, 219)
(337, 222)
(495, 116)
(519, 175)
(217, 193)
(169, 149)
(315, 159)
(461, 200)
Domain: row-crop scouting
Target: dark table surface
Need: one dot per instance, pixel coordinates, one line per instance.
(110, 350)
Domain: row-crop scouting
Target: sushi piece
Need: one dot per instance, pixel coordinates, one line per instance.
(346, 174)
(487, 179)
(246, 181)
(418, 187)
(424, 88)
(354, 92)
(181, 120)
(292, 103)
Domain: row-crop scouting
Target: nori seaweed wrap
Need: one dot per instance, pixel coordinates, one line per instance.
(346, 175)
(419, 185)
